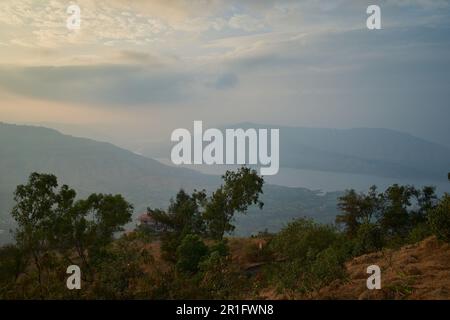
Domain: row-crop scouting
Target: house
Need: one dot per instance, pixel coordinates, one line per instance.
(146, 220)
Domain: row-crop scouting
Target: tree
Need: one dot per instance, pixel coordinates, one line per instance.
(51, 221)
(395, 216)
(358, 209)
(205, 216)
(184, 217)
(240, 190)
(90, 225)
(439, 219)
(37, 207)
(426, 201)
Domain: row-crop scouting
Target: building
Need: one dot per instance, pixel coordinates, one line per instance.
(146, 220)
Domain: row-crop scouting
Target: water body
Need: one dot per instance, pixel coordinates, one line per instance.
(324, 180)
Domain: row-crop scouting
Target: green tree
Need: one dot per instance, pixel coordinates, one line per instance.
(394, 218)
(439, 219)
(50, 221)
(90, 225)
(358, 209)
(208, 216)
(426, 200)
(37, 207)
(240, 190)
(190, 253)
(184, 217)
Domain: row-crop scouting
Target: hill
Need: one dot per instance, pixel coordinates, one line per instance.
(418, 271)
(370, 151)
(90, 166)
(375, 151)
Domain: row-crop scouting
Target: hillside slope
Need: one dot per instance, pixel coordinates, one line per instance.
(371, 151)
(376, 151)
(419, 271)
(90, 166)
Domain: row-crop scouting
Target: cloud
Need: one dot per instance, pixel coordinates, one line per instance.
(310, 62)
(104, 85)
(245, 22)
(226, 81)
(138, 57)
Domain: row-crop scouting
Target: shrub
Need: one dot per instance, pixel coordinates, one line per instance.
(419, 232)
(326, 267)
(439, 219)
(120, 272)
(313, 256)
(368, 238)
(222, 279)
(190, 252)
(221, 247)
(301, 236)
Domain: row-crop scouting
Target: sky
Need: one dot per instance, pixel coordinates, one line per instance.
(137, 70)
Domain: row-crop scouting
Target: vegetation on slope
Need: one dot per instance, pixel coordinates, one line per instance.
(189, 257)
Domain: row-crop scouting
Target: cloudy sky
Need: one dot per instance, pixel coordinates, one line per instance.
(136, 70)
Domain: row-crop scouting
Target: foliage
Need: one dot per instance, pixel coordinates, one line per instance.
(190, 252)
(56, 229)
(358, 209)
(419, 232)
(312, 256)
(221, 279)
(120, 271)
(302, 237)
(205, 216)
(369, 238)
(393, 217)
(240, 190)
(439, 219)
(53, 228)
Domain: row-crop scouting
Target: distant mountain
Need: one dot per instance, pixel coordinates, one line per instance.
(91, 166)
(379, 152)
(376, 152)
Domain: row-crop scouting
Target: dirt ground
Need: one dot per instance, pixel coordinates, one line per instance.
(419, 271)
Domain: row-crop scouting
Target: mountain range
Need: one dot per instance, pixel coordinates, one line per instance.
(369, 151)
(90, 166)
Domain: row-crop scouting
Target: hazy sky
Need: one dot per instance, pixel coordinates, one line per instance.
(136, 70)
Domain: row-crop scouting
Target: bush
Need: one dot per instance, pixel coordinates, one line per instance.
(313, 256)
(369, 238)
(221, 279)
(302, 236)
(439, 219)
(190, 252)
(221, 247)
(326, 267)
(419, 232)
(120, 273)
